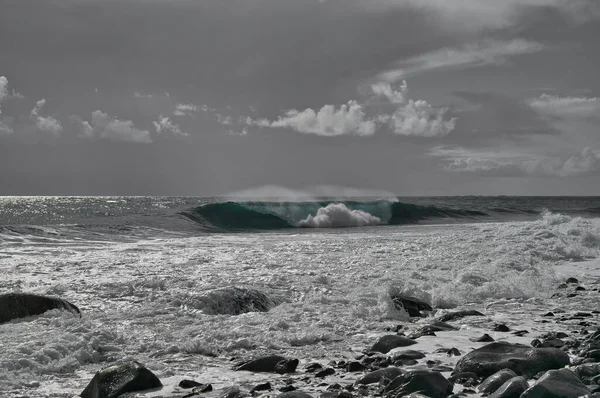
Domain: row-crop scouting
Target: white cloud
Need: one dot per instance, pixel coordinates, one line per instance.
(165, 124)
(3, 88)
(513, 163)
(118, 130)
(566, 107)
(418, 118)
(185, 109)
(328, 121)
(46, 124)
(471, 55)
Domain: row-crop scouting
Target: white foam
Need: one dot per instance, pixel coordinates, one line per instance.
(337, 215)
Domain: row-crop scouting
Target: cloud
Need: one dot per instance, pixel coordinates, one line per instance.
(3, 88)
(485, 52)
(46, 124)
(165, 124)
(185, 109)
(397, 113)
(118, 130)
(511, 163)
(566, 107)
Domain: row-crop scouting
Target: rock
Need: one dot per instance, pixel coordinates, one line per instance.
(231, 392)
(453, 352)
(235, 301)
(586, 372)
(325, 372)
(413, 306)
(287, 388)
(408, 354)
(355, 366)
(464, 377)
(262, 387)
(547, 314)
(313, 367)
(571, 280)
(431, 384)
(513, 388)
(521, 333)
(451, 316)
(294, 394)
(550, 342)
(202, 388)
(523, 360)
(119, 379)
(486, 338)
(269, 364)
(21, 305)
(286, 366)
(501, 328)
(189, 384)
(560, 383)
(375, 376)
(387, 343)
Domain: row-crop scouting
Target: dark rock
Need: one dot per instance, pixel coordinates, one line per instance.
(287, 388)
(501, 328)
(580, 289)
(583, 314)
(267, 364)
(408, 354)
(593, 354)
(587, 372)
(486, 338)
(377, 375)
(387, 343)
(523, 360)
(521, 333)
(262, 387)
(431, 384)
(313, 367)
(294, 394)
(572, 295)
(560, 383)
(562, 286)
(117, 380)
(493, 382)
(325, 372)
(235, 301)
(189, 384)
(451, 316)
(355, 366)
(441, 368)
(550, 342)
(571, 280)
(335, 386)
(286, 366)
(231, 392)
(21, 305)
(464, 377)
(513, 388)
(413, 306)
(549, 314)
(202, 388)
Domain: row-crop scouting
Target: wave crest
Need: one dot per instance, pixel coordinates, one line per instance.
(337, 215)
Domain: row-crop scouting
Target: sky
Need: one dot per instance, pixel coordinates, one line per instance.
(209, 97)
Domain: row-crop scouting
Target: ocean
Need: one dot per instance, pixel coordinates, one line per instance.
(154, 276)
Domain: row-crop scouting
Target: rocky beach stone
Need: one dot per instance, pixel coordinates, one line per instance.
(513, 388)
(325, 372)
(523, 360)
(486, 338)
(451, 316)
(587, 372)
(408, 354)
(493, 382)
(413, 306)
(21, 305)
(375, 376)
(355, 366)
(269, 364)
(294, 394)
(119, 379)
(431, 384)
(387, 343)
(560, 383)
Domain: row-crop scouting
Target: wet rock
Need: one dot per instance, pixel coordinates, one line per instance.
(119, 379)
(235, 301)
(580, 289)
(408, 354)
(413, 306)
(523, 360)
(375, 376)
(286, 366)
(486, 338)
(262, 387)
(189, 384)
(294, 394)
(325, 372)
(513, 388)
(521, 333)
(202, 388)
(548, 314)
(387, 343)
(287, 388)
(313, 367)
(560, 383)
(231, 392)
(268, 364)
(587, 372)
(431, 384)
(463, 378)
(501, 328)
(355, 366)
(451, 316)
(571, 280)
(493, 382)
(21, 305)
(550, 342)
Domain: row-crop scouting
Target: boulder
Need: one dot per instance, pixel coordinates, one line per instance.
(21, 305)
(522, 359)
(119, 379)
(431, 384)
(375, 376)
(587, 371)
(387, 343)
(513, 388)
(269, 364)
(560, 383)
(294, 394)
(493, 382)
(413, 306)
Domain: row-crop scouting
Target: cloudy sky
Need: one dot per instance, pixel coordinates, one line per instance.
(206, 97)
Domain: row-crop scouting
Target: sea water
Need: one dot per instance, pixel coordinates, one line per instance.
(152, 275)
